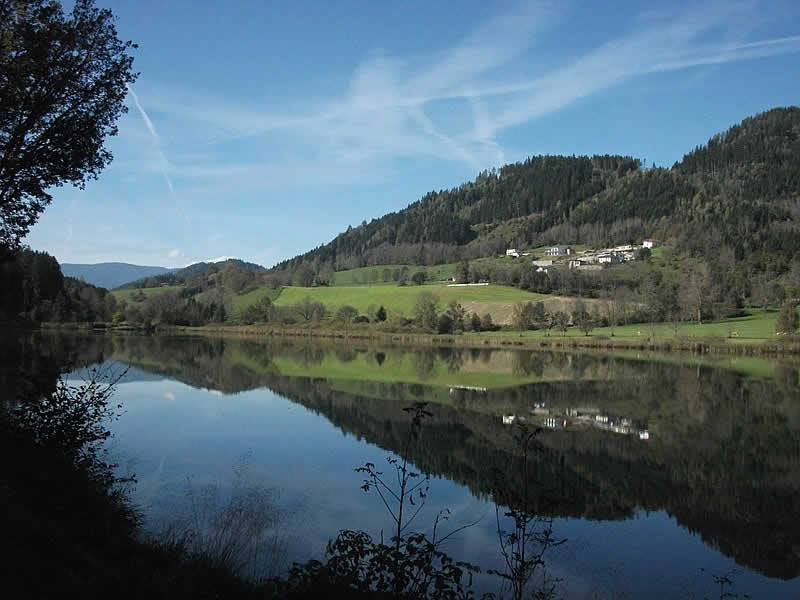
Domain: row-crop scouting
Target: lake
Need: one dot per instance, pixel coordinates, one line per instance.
(661, 473)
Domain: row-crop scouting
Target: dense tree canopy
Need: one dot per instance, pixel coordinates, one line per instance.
(63, 82)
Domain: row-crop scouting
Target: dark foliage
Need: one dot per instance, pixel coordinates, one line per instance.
(32, 289)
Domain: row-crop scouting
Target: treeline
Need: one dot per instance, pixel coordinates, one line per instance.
(33, 289)
(169, 308)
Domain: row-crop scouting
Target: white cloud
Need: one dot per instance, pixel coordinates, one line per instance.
(174, 253)
(210, 260)
(450, 106)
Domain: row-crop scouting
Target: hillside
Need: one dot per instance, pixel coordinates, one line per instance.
(111, 274)
(733, 202)
(724, 221)
(196, 274)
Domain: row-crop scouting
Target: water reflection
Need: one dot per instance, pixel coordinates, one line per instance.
(716, 449)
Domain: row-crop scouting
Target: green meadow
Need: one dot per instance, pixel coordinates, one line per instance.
(401, 299)
(758, 325)
(240, 302)
(126, 294)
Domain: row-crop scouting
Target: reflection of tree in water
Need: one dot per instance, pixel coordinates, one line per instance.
(526, 363)
(722, 457)
(424, 363)
(731, 479)
(453, 358)
(31, 361)
(788, 377)
(345, 354)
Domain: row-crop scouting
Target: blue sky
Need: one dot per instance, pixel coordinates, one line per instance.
(262, 129)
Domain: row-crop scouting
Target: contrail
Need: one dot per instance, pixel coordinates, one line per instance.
(157, 142)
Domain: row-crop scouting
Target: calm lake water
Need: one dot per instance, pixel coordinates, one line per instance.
(661, 473)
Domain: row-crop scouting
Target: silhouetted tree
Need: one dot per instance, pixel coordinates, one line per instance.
(63, 84)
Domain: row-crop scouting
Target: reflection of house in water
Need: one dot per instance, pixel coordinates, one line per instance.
(555, 423)
(511, 419)
(592, 417)
(540, 408)
(580, 417)
(470, 388)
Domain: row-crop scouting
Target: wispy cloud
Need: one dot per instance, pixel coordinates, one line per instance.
(453, 105)
(164, 164)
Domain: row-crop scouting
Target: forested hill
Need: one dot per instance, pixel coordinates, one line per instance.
(737, 196)
(430, 229)
(196, 274)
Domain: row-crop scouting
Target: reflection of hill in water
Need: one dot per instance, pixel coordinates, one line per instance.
(723, 458)
(736, 491)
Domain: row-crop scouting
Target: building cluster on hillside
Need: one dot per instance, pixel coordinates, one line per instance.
(514, 253)
(587, 260)
(578, 417)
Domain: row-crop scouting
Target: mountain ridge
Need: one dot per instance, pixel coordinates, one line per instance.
(743, 180)
(110, 275)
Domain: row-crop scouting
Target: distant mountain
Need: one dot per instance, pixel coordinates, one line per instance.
(110, 275)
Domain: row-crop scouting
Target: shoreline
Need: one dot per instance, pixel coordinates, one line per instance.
(719, 346)
(710, 345)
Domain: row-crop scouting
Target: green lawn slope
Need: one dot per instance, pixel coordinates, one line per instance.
(401, 299)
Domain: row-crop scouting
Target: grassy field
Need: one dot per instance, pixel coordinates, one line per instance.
(240, 302)
(759, 325)
(401, 299)
(126, 294)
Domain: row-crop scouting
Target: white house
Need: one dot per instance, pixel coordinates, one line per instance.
(557, 251)
(512, 252)
(588, 259)
(608, 258)
(649, 243)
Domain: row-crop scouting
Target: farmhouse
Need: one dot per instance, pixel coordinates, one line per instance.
(557, 251)
(608, 258)
(512, 252)
(649, 243)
